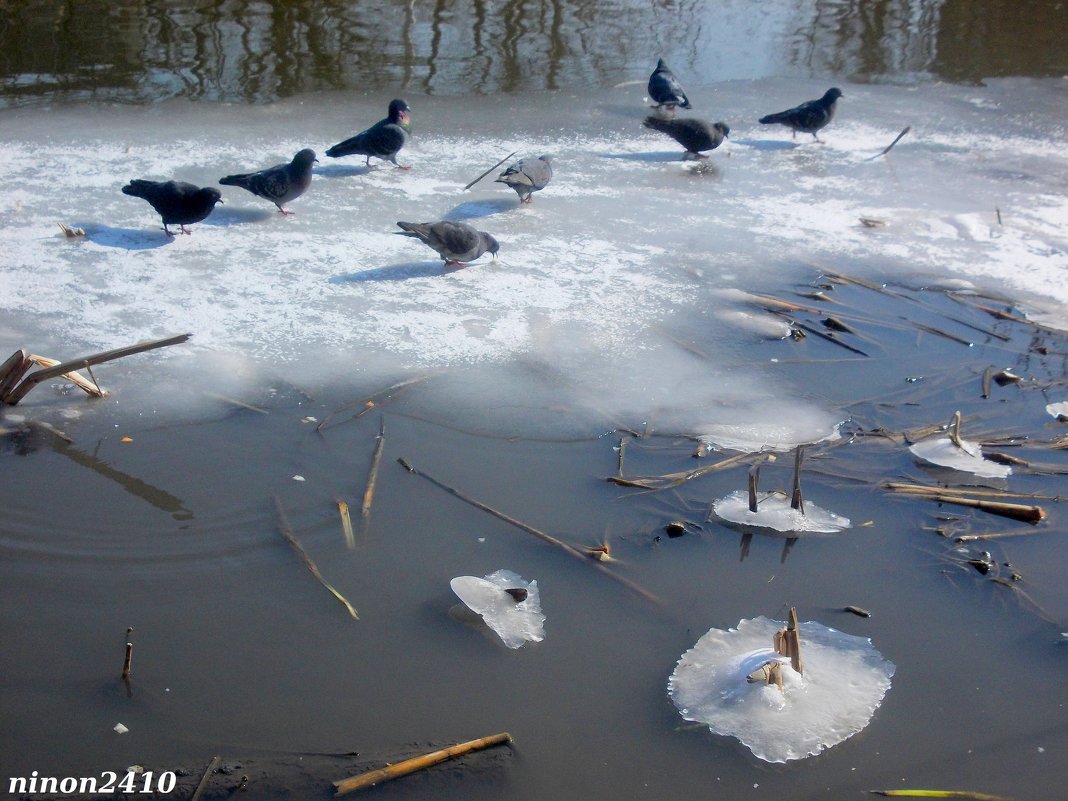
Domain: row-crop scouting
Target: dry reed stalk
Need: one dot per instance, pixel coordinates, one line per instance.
(287, 532)
(399, 769)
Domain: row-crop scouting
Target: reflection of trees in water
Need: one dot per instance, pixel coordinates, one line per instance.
(257, 50)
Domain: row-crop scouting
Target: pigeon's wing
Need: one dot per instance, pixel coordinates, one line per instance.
(454, 239)
(384, 139)
(664, 87)
(272, 184)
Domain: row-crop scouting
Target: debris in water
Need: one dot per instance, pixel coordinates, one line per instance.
(959, 454)
(508, 605)
(844, 682)
(775, 512)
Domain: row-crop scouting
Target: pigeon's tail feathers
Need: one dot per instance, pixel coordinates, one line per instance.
(685, 103)
(418, 230)
(139, 187)
(771, 119)
(658, 124)
(353, 145)
(235, 180)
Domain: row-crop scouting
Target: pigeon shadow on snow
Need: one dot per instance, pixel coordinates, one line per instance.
(239, 215)
(473, 209)
(394, 272)
(768, 144)
(660, 155)
(126, 238)
(342, 170)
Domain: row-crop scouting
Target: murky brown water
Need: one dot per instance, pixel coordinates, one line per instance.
(239, 652)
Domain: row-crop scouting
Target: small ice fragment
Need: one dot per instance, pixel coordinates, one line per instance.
(774, 512)
(764, 325)
(497, 598)
(309, 419)
(298, 478)
(967, 458)
(120, 728)
(1058, 410)
(844, 682)
(769, 436)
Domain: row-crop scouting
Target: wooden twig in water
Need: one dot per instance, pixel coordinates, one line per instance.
(830, 338)
(796, 501)
(127, 663)
(417, 763)
(346, 524)
(922, 489)
(369, 402)
(939, 794)
(566, 547)
(287, 532)
(491, 169)
(19, 391)
(670, 480)
(1017, 511)
(899, 137)
(372, 476)
(204, 779)
(930, 329)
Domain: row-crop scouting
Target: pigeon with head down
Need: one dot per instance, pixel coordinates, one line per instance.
(456, 242)
(809, 117)
(280, 183)
(693, 134)
(528, 176)
(177, 202)
(382, 140)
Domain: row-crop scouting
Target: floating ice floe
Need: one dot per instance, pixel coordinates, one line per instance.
(763, 325)
(508, 605)
(1058, 410)
(843, 682)
(775, 512)
(768, 436)
(967, 457)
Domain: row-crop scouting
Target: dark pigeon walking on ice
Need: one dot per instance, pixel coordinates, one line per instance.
(528, 176)
(177, 202)
(694, 135)
(280, 183)
(665, 89)
(382, 140)
(456, 242)
(808, 117)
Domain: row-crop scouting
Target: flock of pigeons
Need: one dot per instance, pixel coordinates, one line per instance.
(182, 204)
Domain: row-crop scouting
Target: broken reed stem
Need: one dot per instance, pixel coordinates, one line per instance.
(796, 501)
(669, 480)
(287, 532)
(565, 547)
(939, 794)
(346, 524)
(989, 371)
(369, 402)
(399, 769)
(754, 481)
(1016, 511)
(622, 447)
(61, 368)
(922, 489)
(128, 661)
(204, 779)
(788, 642)
(954, 430)
(91, 388)
(897, 139)
(491, 169)
(372, 477)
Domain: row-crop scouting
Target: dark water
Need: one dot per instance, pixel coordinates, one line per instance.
(237, 50)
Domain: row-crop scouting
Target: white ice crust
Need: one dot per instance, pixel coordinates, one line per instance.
(844, 682)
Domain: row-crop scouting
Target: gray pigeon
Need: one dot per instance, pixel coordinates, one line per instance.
(694, 135)
(280, 183)
(808, 117)
(456, 242)
(665, 89)
(528, 176)
(383, 140)
(177, 202)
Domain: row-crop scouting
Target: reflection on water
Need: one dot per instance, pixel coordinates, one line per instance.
(258, 51)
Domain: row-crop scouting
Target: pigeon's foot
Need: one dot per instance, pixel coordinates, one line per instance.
(285, 213)
(456, 265)
(185, 230)
(404, 166)
(527, 199)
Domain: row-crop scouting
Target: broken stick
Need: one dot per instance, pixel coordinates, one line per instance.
(399, 769)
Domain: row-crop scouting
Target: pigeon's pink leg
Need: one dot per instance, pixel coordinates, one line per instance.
(456, 264)
(185, 230)
(285, 213)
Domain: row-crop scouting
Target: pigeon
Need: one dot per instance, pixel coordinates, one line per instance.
(280, 183)
(808, 117)
(694, 135)
(177, 202)
(383, 140)
(665, 89)
(456, 242)
(528, 176)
